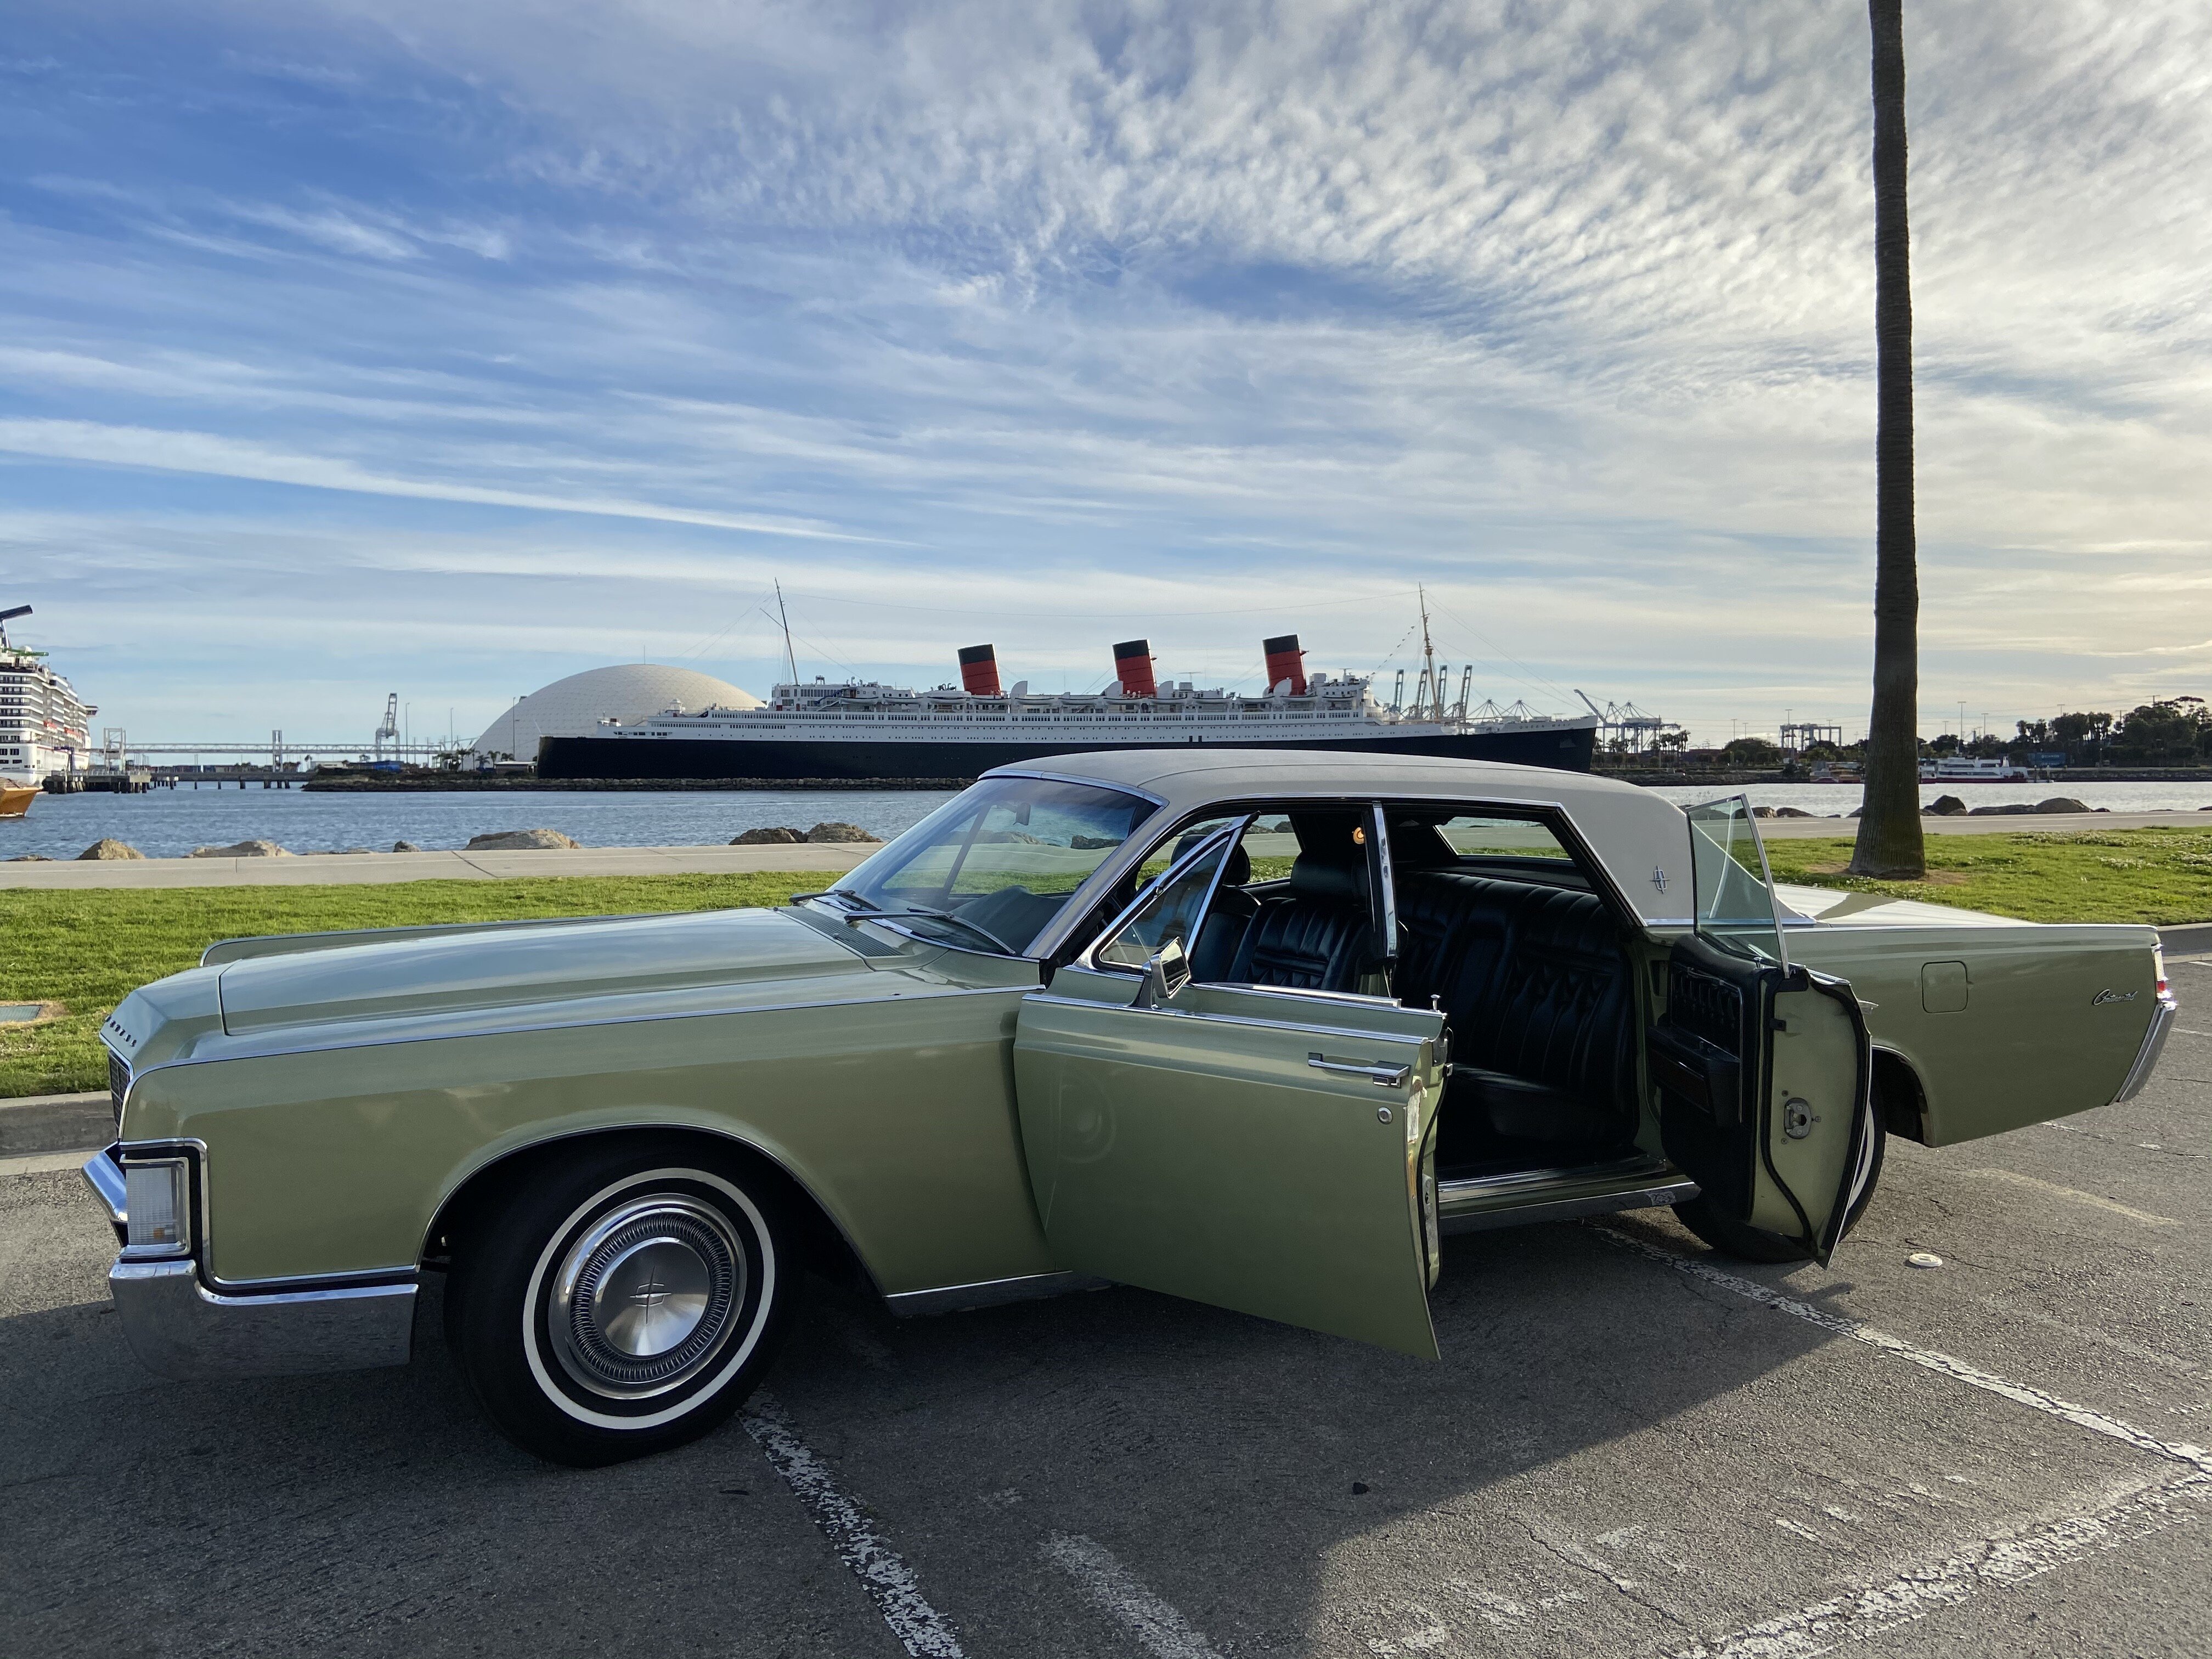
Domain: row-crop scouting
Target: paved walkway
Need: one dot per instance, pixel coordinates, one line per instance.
(2010, 823)
(320, 869)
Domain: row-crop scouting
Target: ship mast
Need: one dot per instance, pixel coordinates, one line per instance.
(1428, 656)
(790, 662)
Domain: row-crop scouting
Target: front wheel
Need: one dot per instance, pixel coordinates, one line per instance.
(620, 1302)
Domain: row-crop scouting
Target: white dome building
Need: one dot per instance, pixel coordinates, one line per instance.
(627, 691)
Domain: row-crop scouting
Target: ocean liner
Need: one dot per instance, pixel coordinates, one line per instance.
(43, 723)
(847, 729)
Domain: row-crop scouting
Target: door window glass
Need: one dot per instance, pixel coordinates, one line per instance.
(1735, 895)
(1174, 910)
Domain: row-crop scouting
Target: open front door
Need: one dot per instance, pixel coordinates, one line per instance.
(1271, 1151)
(1764, 1069)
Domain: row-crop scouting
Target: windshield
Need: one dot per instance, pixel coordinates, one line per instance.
(996, 864)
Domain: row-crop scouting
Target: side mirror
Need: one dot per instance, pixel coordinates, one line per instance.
(1166, 972)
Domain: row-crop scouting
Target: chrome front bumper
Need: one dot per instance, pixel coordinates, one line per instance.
(180, 1328)
(2161, 1022)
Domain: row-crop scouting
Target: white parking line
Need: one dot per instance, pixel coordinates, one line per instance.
(2005, 1558)
(2081, 1416)
(1113, 1590)
(890, 1583)
(2075, 1195)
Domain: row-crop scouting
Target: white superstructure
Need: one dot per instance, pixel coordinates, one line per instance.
(43, 726)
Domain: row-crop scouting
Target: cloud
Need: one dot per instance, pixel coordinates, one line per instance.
(1087, 311)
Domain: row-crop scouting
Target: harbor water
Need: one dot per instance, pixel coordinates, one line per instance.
(172, 823)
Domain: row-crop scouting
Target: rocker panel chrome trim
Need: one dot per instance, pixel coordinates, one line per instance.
(990, 1293)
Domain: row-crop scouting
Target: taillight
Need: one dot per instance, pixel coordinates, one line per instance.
(2158, 971)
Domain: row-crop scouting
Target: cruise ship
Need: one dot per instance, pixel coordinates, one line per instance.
(44, 727)
(850, 729)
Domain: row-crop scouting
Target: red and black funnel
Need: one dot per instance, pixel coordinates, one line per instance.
(979, 671)
(1133, 667)
(1285, 662)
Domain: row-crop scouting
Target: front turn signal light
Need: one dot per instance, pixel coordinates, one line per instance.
(157, 1206)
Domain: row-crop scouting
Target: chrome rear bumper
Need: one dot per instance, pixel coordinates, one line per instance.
(2161, 1022)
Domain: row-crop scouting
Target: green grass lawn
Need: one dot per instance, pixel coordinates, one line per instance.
(88, 950)
(2159, 876)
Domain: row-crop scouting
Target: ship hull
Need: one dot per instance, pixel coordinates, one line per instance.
(1566, 748)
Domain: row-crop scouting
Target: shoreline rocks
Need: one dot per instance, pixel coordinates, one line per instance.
(522, 841)
(242, 849)
(107, 848)
(786, 835)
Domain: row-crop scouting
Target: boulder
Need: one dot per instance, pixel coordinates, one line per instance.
(405, 847)
(1945, 806)
(838, 832)
(768, 835)
(2062, 804)
(2016, 810)
(242, 849)
(30, 858)
(522, 841)
(108, 848)
(1791, 813)
(1762, 811)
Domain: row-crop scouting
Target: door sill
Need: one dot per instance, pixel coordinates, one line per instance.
(1643, 1182)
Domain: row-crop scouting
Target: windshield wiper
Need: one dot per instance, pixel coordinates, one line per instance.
(878, 912)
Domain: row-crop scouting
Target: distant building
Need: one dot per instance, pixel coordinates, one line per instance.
(628, 692)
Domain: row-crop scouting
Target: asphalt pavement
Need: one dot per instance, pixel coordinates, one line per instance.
(1632, 1447)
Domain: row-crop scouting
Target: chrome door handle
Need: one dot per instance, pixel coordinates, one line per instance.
(1383, 1077)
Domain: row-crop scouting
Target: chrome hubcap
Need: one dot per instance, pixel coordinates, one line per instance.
(649, 1296)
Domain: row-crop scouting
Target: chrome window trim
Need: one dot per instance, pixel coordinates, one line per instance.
(1382, 831)
(1233, 829)
(1357, 1034)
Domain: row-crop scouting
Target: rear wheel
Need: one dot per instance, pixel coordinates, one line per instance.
(1746, 1242)
(620, 1302)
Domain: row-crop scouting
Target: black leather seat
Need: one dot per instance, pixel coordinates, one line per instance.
(1542, 1011)
(1317, 936)
(1226, 918)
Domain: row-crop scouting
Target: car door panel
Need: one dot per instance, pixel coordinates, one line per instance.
(1202, 1152)
(1763, 1068)
(1763, 1074)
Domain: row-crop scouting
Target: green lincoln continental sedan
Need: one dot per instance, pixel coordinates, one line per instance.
(1252, 1027)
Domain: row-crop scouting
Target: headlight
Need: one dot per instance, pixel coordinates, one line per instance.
(158, 1206)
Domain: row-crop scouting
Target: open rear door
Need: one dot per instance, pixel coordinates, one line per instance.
(1268, 1152)
(1764, 1069)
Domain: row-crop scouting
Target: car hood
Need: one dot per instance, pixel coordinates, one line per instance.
(722, 951)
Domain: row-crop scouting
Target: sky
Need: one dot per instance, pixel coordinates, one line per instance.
(357, 346)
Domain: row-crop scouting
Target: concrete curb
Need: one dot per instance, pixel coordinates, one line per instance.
(39, 1124)
(2192, 940)
(347, 869)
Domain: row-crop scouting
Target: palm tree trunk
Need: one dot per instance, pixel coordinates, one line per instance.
(1889, 840)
